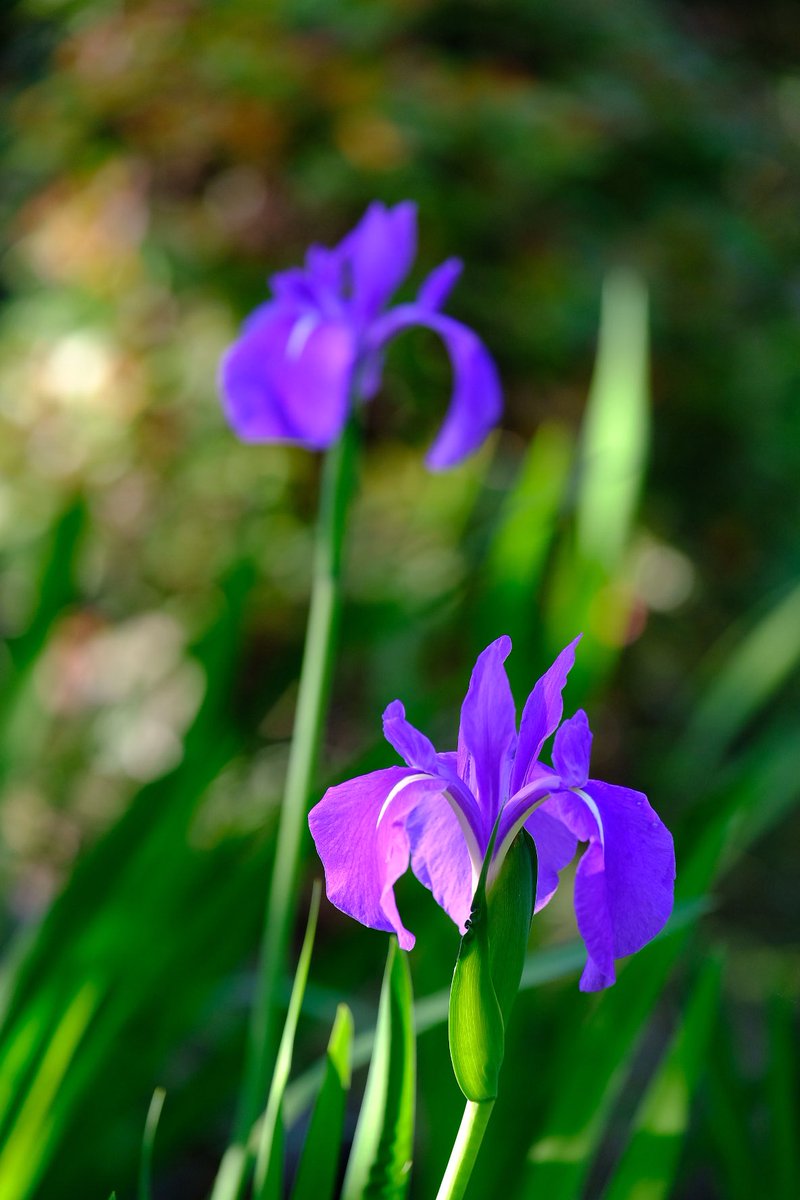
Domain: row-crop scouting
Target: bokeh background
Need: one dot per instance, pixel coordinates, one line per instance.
(159, 159)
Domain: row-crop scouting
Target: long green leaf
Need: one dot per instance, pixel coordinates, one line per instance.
(380, 1161)
(148, 1144)
(647, 1168)
(316, 1173)
(759, 663)
(615, 429)
(268, 1176)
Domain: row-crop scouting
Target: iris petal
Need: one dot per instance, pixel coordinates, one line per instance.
(439, 857)
(413, 747)
(572, 749)
(541, 714)
(380, 251)
(488, 728)
(364, 844)
(555, 848)
(624, 882)
(476, 402)
(288, 377)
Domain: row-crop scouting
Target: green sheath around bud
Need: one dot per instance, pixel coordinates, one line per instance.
(488, 970)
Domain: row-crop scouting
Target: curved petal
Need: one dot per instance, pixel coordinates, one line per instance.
(380, 251)
(440, 858)
(488, 730)
(476, 403)
(541, 714)
(288, 377)
(625, 881)
(572, 749)
(364, 844)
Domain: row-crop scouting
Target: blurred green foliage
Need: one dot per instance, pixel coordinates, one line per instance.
(159, 158)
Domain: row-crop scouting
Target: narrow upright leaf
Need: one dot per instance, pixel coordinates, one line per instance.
(316, 1174)
(148, 1142)
(268, 1177)
(380, 1160)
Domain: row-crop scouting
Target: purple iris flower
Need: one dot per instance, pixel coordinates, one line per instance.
(438, 812)
(303, 357)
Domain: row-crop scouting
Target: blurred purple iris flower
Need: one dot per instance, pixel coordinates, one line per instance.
(303, 357)
(439, 811)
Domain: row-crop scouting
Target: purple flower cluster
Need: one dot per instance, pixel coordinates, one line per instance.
(438, 813)
(307, 355)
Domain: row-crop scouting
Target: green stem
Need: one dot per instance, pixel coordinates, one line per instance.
(465, 1149)
(312, 706)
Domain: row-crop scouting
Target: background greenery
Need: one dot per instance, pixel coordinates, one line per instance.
(159, 158)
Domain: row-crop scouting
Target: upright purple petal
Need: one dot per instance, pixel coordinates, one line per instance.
(288, 378)
(437, 287)
(413, 747)
(476, 402)
(488, 729)
(364, 845)
(572, 749)
(541, 714)
(380, 251)
(625, 880)
(439, 857)
(419, 753)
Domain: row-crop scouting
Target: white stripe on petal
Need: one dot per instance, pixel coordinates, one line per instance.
(594, 810)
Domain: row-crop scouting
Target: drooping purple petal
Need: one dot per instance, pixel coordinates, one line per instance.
(541, 714)
(380, 251)
(439, 857)
(476, 402)
(288, 378)
(624, 882)
(488, 730)
(572, 749)
(364, 844)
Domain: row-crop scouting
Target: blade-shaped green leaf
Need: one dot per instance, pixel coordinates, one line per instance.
(380, 1161)
(316, 1174)
(616, 424)
(747, 678)
(27, 1143)
(268, 1175)
(648, 1166)
(148, 1143)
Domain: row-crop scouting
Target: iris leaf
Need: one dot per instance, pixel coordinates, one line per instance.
(316, 1174)
(148, 1142)
(380, 1160)
(268, 1179)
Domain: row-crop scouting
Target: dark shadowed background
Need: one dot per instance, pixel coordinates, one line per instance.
(159, 159)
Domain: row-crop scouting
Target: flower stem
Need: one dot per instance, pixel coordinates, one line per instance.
(312, 705)
(465, 1149)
